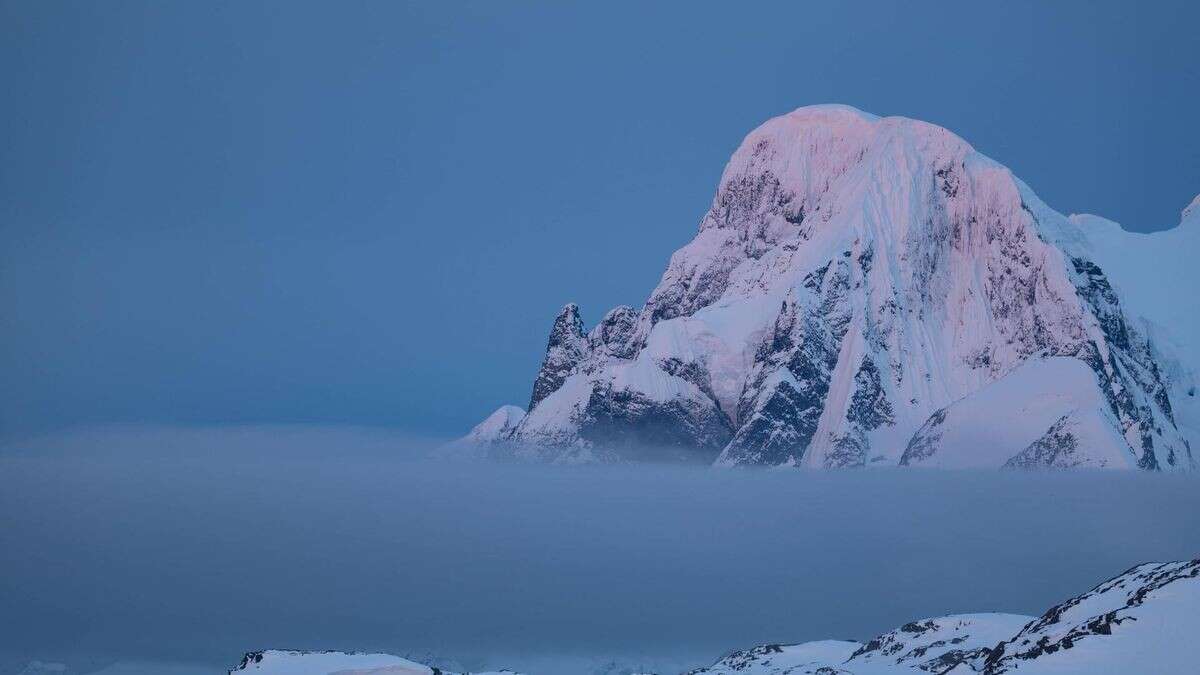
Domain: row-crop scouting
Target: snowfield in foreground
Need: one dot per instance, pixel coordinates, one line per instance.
(293, 662)
(1142, 621)
(869, 291)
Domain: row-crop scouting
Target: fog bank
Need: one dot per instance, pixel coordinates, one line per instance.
(194, 547)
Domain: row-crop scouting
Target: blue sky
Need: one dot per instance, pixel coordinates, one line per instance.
(369, 213)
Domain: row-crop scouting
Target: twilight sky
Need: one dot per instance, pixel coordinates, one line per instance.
(368, 213)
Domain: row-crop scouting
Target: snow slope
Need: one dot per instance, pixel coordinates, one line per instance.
(854, 277)
(1156, 274)
(290, 662)
(274, 661)
(998, 425)
(1142, 621)
(928, 645)
(487, 438)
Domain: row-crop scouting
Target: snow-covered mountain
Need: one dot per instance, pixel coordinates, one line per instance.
(873, 291)
(294, 662)
(929, 645)
(1142, 621)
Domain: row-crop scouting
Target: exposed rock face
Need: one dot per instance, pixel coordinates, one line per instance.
(1048, 413)
(565, 350)
(616, 332)
(1057, 448)
(936, 645)
(854, 278)
(1148, 608)
(782, 403)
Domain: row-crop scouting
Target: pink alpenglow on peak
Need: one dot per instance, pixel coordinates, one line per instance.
(855, 280)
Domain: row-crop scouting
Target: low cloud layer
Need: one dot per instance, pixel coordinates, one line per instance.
(195, 546)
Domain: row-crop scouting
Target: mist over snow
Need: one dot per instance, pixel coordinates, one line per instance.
(193, 546)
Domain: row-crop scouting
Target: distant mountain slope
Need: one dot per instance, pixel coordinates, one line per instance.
(1142, 621)
(294, 662)
(857, 278)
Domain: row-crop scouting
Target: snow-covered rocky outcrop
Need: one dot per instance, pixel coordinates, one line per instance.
(1143, 621)
(929, 645)
(1050, 409)
(873, 291)
(1139, 622)
(489, 438)
(292, 662)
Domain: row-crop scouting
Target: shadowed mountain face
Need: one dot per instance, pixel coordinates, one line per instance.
(863, 291)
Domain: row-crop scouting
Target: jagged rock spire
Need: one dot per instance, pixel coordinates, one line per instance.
(565, 349)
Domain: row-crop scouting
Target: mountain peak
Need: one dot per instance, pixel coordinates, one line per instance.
(853, 279)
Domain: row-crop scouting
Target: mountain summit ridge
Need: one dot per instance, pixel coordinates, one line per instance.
(856, 281)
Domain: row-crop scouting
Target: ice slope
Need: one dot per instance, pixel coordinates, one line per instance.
(854, 276)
